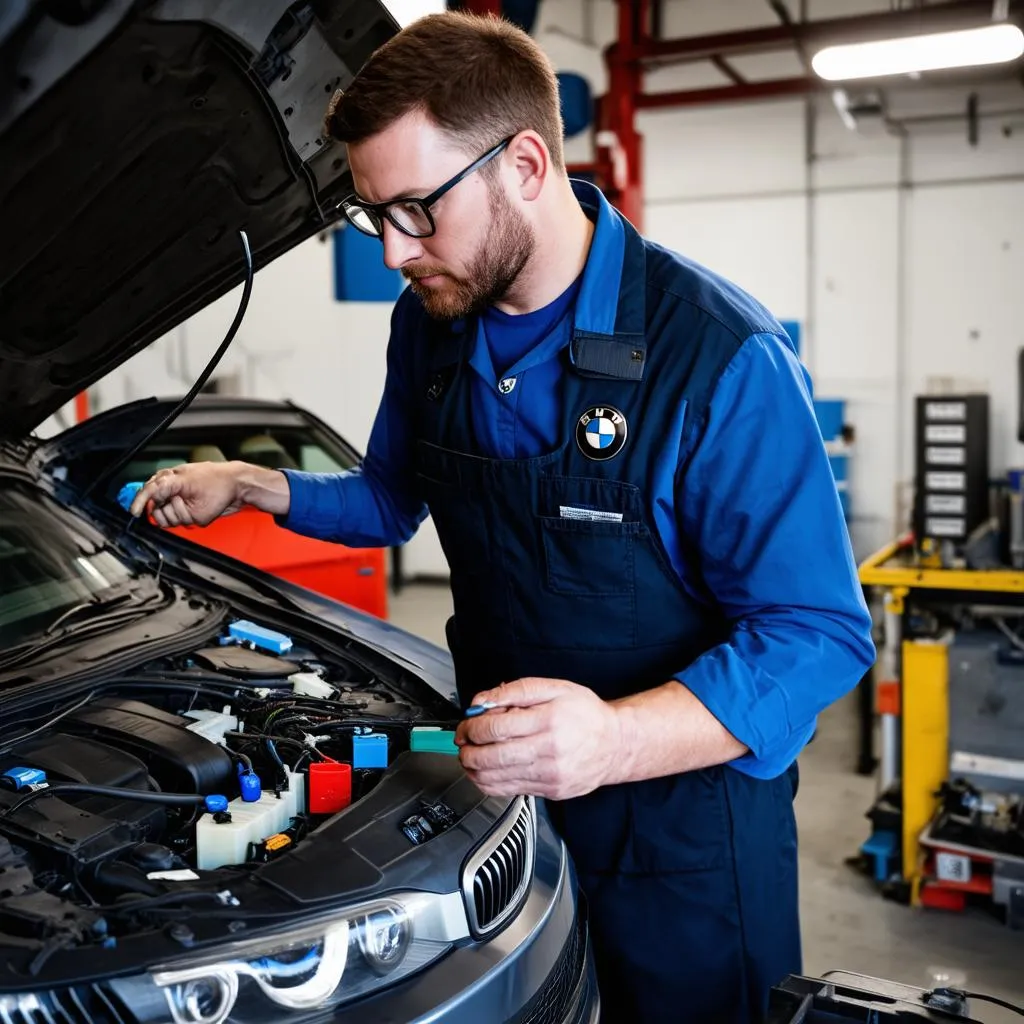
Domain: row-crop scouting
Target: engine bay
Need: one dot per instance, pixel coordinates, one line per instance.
(169, 783)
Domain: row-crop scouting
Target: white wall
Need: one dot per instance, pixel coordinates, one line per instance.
(903, 258)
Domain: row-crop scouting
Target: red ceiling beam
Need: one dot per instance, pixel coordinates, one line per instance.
(933, 18)
(728, 93)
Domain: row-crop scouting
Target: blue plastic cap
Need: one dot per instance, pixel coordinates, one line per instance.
(22, 777)
(251, 787)
(216, 803)
(126, 495)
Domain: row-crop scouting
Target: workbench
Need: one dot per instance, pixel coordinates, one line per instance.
(911, 682)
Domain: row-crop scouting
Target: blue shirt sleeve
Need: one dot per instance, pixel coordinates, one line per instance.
(759, 504)
(376, 504)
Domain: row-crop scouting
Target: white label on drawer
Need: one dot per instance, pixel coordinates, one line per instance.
(945, 411)
(945, 504)
(945, 481)
(952, 867)
(941, 433)
(944, 527)
(944, 456)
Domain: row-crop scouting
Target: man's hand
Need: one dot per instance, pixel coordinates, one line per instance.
(555, 739)
(197, 493)
(546, 737)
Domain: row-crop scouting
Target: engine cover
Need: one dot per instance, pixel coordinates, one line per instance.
(179, 759)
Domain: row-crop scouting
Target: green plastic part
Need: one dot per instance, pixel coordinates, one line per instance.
(433, 741)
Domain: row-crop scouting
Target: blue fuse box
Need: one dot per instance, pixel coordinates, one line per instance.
(264, 639)
(370, 751)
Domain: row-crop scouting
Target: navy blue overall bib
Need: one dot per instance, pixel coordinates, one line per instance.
(690, 879)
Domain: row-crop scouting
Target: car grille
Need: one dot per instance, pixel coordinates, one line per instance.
(83, 1004)
(497, 876)
(561, 998)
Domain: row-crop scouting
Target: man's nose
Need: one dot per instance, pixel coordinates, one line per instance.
(399, 248)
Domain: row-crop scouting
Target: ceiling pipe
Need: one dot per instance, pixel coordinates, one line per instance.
(801, 86)
(727, 93)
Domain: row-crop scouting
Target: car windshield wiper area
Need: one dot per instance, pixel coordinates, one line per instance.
(114, 607)
(97, 604)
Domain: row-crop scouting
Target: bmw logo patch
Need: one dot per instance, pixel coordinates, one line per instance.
(601, 433)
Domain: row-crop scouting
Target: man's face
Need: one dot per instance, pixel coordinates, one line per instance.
(482, 242)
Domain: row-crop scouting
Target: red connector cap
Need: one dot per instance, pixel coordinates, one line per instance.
(330, 787)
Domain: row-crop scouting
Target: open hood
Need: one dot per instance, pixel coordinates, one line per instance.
(137, 138)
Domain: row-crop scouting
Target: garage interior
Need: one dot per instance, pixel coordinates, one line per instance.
(881, 219)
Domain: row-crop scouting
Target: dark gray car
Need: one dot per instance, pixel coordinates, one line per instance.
(222, 798)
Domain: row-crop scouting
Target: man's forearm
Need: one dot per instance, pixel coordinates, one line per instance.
(265, 489)
(667, 730)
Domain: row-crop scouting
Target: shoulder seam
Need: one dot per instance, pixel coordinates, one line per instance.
(741, 338)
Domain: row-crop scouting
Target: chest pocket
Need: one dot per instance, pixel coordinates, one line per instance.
(589, 528)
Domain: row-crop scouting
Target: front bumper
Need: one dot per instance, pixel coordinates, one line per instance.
(538, 970)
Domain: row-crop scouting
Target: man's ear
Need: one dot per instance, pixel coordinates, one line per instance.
(531, 163)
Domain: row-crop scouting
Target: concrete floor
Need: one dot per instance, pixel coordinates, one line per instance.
(846, 924)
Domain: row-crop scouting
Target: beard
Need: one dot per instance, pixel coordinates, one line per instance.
(494, 268)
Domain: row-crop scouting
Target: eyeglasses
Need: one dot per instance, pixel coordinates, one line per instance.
(411, 216)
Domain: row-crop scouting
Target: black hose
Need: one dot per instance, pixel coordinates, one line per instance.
(273, 683)
(116, 792)
(961, 995)
(272, 748)
(261, 737)
(982, 998)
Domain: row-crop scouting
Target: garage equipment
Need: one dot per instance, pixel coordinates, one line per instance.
(949, 685)
(842, 996)
(951, 482)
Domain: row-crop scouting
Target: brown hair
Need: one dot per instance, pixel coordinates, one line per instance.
(480, 79)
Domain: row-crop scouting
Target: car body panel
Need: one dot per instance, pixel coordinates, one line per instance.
(354, 576)
(135, 145)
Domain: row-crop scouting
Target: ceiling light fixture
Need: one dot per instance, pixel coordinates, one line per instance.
(975, 47)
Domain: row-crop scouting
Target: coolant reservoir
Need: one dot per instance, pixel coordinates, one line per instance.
(227, 842)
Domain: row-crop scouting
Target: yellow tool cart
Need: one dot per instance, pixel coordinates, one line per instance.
(949, 693)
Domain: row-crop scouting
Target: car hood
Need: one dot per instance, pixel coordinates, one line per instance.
(137, 139)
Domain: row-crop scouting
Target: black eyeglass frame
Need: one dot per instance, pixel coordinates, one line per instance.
(378, 211)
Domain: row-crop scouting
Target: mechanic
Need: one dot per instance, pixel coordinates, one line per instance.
(651, 573)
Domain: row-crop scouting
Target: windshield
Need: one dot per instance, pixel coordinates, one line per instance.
(45, 566)
(275, 447)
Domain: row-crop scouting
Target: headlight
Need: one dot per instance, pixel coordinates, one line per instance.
(264, 981)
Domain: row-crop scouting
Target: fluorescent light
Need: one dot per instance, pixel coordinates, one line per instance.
(992, 44)
(405, 12)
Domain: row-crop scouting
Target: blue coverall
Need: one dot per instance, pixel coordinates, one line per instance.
(642, 494)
